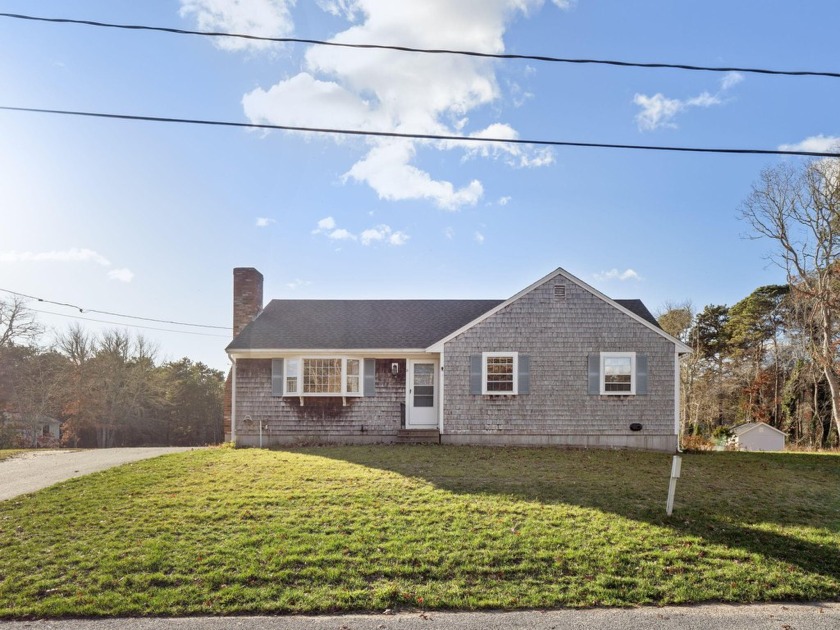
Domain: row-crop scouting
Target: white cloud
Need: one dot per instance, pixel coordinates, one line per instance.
(519, 96)
(564, 4)
(516, 155)
(324, 225)
(398, 238)
(503, 201)
(72, 256)
(479, 238)
(338, 8)
(264, 221)
(390, 91)
(387, 170)
(658, 111)
(703, 100)
(730, 79)
(265, 18)
(297, 283)
(123, 275)
(818, 144)
(449, 233)
(68, 255)
(341, 235)
(377, 234)
(615, 274)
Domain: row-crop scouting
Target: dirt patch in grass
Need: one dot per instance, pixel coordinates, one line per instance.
(8, 453)
(227, 531)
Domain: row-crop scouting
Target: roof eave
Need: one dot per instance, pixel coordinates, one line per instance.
(268, 353)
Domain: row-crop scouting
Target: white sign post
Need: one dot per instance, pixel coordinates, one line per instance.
(672, 486)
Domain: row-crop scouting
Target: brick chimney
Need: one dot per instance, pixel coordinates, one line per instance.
(247, 297)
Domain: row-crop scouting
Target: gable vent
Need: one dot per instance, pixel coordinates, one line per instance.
(559, 291)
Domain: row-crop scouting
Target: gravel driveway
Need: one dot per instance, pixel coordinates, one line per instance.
(39, 469)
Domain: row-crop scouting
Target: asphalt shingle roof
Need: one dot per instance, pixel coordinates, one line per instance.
(368, 324)
(357, 324)
(637, 307)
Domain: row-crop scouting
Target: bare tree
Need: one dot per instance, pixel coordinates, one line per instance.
(799, 209)
(76, 344)
(17, 322)
(676, 318)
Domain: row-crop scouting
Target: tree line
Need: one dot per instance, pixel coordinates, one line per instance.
(774, 356)
(107, 390)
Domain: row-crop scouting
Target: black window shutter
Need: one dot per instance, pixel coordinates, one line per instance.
(641, 374)
(277, 377)
(370, 377)
(475, 374)
(524, 376)
(594, 374)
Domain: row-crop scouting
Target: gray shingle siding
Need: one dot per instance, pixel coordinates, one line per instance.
(321, 419)
(558, 336)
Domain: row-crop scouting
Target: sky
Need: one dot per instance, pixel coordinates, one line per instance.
(149, 219)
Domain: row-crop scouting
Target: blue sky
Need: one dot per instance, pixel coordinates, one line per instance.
(149, 219)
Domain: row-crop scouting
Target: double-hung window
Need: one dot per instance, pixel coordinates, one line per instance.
(500, 373)
(323, 376)
(618, 373)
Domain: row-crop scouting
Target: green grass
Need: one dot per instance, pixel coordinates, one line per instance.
(226, 531)
(8, 453)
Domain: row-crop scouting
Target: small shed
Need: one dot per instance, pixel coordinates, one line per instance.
(758, 436)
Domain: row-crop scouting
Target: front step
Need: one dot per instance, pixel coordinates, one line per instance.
(418, 436)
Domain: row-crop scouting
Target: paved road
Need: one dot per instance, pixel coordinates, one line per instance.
(718, 617)
(38, 469)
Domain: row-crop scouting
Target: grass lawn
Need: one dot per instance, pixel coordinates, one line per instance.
(7, 453)
(368, 528)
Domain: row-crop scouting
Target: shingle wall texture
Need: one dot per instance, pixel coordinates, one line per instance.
(559, 335)
(365, 419)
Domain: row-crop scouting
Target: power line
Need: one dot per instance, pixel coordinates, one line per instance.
(112, 314)
(431, 51)
(423, 136)
(103, 321)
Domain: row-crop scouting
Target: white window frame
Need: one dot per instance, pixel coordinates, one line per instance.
(488, 355)
(299, 376)
(603, 375)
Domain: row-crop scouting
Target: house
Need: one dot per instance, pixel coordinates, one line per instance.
(559, 363)
(757, 436)
(31, 431)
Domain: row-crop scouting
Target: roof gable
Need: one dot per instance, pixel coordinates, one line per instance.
(743, 429)
(633, 308)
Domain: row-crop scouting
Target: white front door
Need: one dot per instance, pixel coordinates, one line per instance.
(422, 395)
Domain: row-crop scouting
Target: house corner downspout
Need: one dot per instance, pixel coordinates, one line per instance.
(233, 403)
(677, 397)
(440, 395)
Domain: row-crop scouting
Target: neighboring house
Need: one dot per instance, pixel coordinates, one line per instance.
(757, 436)
(32, 431)
(559, 363)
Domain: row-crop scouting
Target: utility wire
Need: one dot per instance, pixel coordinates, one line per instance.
(432, 51)
(93, 310)
(104, 321)
(423, 136)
